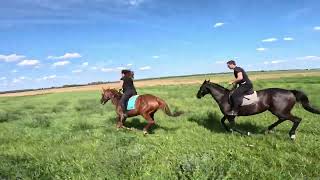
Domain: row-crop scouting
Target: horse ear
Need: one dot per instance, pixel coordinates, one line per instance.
(104, 89)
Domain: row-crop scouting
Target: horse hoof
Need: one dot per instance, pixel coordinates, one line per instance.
(249, 133)
(293, 137)
(145, 133)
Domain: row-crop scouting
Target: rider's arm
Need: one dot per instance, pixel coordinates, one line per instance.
(240, 77)
(121, 85)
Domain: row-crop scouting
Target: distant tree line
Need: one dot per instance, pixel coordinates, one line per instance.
(57, 87)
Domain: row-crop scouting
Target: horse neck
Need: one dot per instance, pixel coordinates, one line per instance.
(217, 92)
(116, 100)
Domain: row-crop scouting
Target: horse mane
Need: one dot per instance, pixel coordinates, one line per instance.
(115, 92)
(218, 86)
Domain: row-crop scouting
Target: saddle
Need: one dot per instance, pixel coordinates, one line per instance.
(132, 103)
(251, 97)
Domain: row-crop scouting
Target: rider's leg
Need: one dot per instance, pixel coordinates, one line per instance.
(123, 102)
(237, 97)
(236, 102)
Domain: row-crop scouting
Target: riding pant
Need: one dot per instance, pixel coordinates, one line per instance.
(125, 98)
(238, 94)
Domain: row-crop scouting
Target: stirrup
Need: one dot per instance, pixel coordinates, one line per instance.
(232, 113)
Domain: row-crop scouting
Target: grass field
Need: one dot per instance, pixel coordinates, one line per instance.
(71, 136)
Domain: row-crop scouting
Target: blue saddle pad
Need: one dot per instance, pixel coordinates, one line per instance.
(132, 102)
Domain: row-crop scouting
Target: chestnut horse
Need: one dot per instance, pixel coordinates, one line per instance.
(146, 105)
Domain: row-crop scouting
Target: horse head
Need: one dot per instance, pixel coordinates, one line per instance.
(108, 94)
(203, 89)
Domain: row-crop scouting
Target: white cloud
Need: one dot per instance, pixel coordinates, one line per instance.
(270, 40)
(288, 39)
(28, 63)
(11, 57)
(155, 57)
(221, 62)
(20, 79)
(94, 68)
(66, 56)
(277, 61)
(3, 78)
(61, 63)
(310, 58)
(129, 65)
(107, 70)
(219, 24)
(316, 28)
(48, 77)
(85, 64)
(14, 71)
(145, 68)
(77, 71)
(121, 68)
(15, 80)
(113, 69)
(274, 62)
(134, 3)
(261, 49)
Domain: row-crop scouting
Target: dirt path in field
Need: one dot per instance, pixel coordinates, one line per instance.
(168, 81)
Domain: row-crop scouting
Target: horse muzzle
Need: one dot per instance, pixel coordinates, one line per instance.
(103, 102)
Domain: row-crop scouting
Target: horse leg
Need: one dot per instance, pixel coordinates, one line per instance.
(296, 121)
(152, 115)
(123, 126)
(223, 120)
(119, 122)
(149, 118)
(270, 128)
(288, 116)
(233, 126)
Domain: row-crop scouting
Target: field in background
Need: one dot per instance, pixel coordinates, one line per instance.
(193, 79)
(69, 135)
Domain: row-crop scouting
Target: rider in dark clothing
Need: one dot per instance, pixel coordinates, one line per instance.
(244, 86)
(128, 90)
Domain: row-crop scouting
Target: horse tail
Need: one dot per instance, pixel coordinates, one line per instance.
(303, 99)
(165, 108)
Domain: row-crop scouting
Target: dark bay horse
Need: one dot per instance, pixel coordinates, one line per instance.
(146, 105)
(278, 101)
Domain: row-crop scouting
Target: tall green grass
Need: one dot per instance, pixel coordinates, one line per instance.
(72, 136)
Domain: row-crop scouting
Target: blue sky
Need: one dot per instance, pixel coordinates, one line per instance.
(48, 43)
